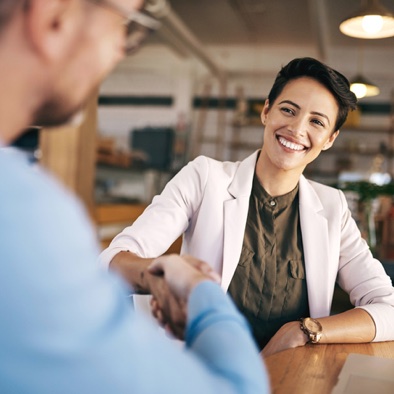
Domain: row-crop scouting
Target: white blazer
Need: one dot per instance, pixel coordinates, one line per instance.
(208, 202)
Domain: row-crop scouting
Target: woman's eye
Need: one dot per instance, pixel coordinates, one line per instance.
(318, 122)
(287, 110)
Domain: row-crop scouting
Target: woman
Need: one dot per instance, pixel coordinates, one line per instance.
(279, 241)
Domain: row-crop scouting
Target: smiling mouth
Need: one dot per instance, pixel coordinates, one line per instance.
(290, 145)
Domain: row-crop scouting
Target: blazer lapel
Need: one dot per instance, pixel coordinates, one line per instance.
(315, 239)
(235, 215)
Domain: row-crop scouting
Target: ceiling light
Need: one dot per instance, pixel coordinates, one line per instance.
(371, 22)
(361, 87)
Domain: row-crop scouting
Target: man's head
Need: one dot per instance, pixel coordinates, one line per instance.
(64, 49)
(96, 48)
(331, 79)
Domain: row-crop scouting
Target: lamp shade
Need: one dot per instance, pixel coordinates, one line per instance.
(361, 87)
(371, 22)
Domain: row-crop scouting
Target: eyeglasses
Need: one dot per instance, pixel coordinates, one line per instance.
(137, 24)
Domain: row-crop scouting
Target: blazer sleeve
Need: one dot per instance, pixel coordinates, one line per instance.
(364, 278)
(166, 218)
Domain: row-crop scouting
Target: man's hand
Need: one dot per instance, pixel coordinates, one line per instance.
(288, 336)
(173, 277)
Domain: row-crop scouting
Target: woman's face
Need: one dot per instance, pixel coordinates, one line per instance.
(299, 124)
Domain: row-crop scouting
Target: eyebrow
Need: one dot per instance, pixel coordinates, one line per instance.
(314, 112)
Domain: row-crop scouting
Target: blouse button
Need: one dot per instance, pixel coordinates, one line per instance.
(272, 203)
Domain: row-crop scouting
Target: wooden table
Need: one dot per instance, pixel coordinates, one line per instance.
(315, 368)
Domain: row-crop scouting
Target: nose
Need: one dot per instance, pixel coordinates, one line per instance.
(298, 125)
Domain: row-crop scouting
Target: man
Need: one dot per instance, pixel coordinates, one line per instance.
(67, 326)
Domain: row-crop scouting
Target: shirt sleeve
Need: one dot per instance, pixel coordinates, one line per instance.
(213, 325)
(68, 326)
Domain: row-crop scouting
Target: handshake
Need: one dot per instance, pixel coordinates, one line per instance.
(171, 279)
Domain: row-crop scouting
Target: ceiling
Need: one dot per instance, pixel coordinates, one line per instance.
(248, 40)
(271, 22)
(300, 27)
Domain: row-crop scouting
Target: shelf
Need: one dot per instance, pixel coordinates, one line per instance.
(110, 213)
(248, 125)
(321, 173)
(367, 129)
(245, 145)
(210, 140)
(362, 152)
(129, 169)
(111, 219)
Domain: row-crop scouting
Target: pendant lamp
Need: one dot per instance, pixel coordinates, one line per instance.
(361, 87)
(371, 22)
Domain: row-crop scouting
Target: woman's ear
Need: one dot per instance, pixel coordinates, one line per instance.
(50, 26)
(331, 140)
(264, 112)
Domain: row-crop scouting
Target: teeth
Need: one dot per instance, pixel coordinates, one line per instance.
(290, 145)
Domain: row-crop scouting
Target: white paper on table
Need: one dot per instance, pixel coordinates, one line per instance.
(363, 374)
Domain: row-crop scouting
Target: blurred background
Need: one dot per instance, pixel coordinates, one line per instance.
(197, 87)
(208, 69)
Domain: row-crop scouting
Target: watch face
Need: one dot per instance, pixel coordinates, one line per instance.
(313, 325)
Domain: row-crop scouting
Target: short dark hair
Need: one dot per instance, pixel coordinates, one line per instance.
(7, 10)
(333, 80)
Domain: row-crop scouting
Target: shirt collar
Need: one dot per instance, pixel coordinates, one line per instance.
(280, 201)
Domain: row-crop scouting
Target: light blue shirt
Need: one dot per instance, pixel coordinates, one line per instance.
(67, 326)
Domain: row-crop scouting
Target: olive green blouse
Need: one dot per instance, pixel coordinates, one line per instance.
(269, 285)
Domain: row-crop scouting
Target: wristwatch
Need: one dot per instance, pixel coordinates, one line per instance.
(312, 328)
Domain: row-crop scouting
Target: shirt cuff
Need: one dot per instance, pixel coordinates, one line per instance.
(208, 304)
(107, 255)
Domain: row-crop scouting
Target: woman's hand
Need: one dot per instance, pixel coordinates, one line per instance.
(288, 336)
